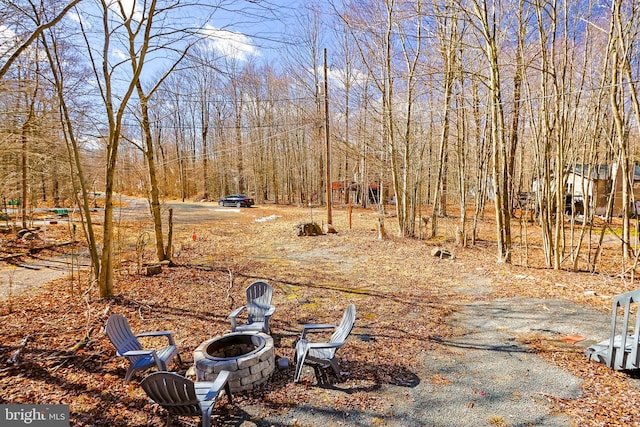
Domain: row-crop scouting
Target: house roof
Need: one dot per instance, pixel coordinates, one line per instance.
(601, 171)
(593, 172)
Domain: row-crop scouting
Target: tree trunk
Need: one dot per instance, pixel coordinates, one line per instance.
(499, 166)
(154, 190)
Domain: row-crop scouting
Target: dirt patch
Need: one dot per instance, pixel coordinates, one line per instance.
(31, 274)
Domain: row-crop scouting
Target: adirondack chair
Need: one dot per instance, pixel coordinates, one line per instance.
(180, 396)
(127, 345)
(259, 309)
(324, 353)
(620, 351)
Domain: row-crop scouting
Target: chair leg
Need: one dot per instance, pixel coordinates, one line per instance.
(206, 422)
(227, 388)
(301, 354)
(206, 417)
(298, 372)
(336, 367)
(129, 374)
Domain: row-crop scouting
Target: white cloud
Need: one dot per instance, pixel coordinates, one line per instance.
(230, 44)
(8, 40)
(74, 16)
(119, 54)
(339, 76)
(6, 33)
(130, 8)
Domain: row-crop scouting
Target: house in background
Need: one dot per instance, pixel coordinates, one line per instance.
(356, 194)
(597, 183)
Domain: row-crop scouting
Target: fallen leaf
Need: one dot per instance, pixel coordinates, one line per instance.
(572, 338)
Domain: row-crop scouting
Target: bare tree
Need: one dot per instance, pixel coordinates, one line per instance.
(624, 29)
(65, 80)
(304, 58)
(163, 253)
(487, 25)
(449, 40)
(34, 33)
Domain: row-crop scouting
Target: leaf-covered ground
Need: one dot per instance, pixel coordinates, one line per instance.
(403, 296)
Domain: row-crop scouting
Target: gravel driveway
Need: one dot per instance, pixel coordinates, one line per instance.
(482, 377)
(33, 273)
(494, 379)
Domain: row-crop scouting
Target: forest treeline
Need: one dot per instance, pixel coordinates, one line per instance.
(433, 107)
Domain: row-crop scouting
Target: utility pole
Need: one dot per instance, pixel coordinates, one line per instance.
(328, 141)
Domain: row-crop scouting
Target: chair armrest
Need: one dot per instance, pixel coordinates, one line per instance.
(237, 311)
(217, 385)
(233, 316)
(159, 363)
(324, 344)
(158, 334)
(133, 353)
(315, 327)
(267, 317)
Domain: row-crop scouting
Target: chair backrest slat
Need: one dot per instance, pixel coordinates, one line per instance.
(120, 334)
(171, 391)
(346, 325)
(627, 331)
(259, 296)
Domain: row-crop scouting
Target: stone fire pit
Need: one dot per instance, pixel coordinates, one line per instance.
(248, 356)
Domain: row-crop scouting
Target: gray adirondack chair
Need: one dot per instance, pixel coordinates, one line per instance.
(128, 346)
(621, 350)
(258, 307)
(324, 353)
(180, 396)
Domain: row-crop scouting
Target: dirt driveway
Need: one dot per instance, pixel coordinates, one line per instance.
(33, 270)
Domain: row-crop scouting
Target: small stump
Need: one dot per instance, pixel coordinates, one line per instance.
(441, 253)
(309, 229)
(329, 229)
(152, 269)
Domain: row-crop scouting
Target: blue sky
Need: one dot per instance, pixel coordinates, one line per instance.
(237, 28)
(252, 28)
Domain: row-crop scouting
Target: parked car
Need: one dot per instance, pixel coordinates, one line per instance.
(237, 200)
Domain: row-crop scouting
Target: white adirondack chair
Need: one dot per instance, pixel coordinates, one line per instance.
(180, 396)
(258, 307)
(127, 345)
(324, 353)
(622, 350)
